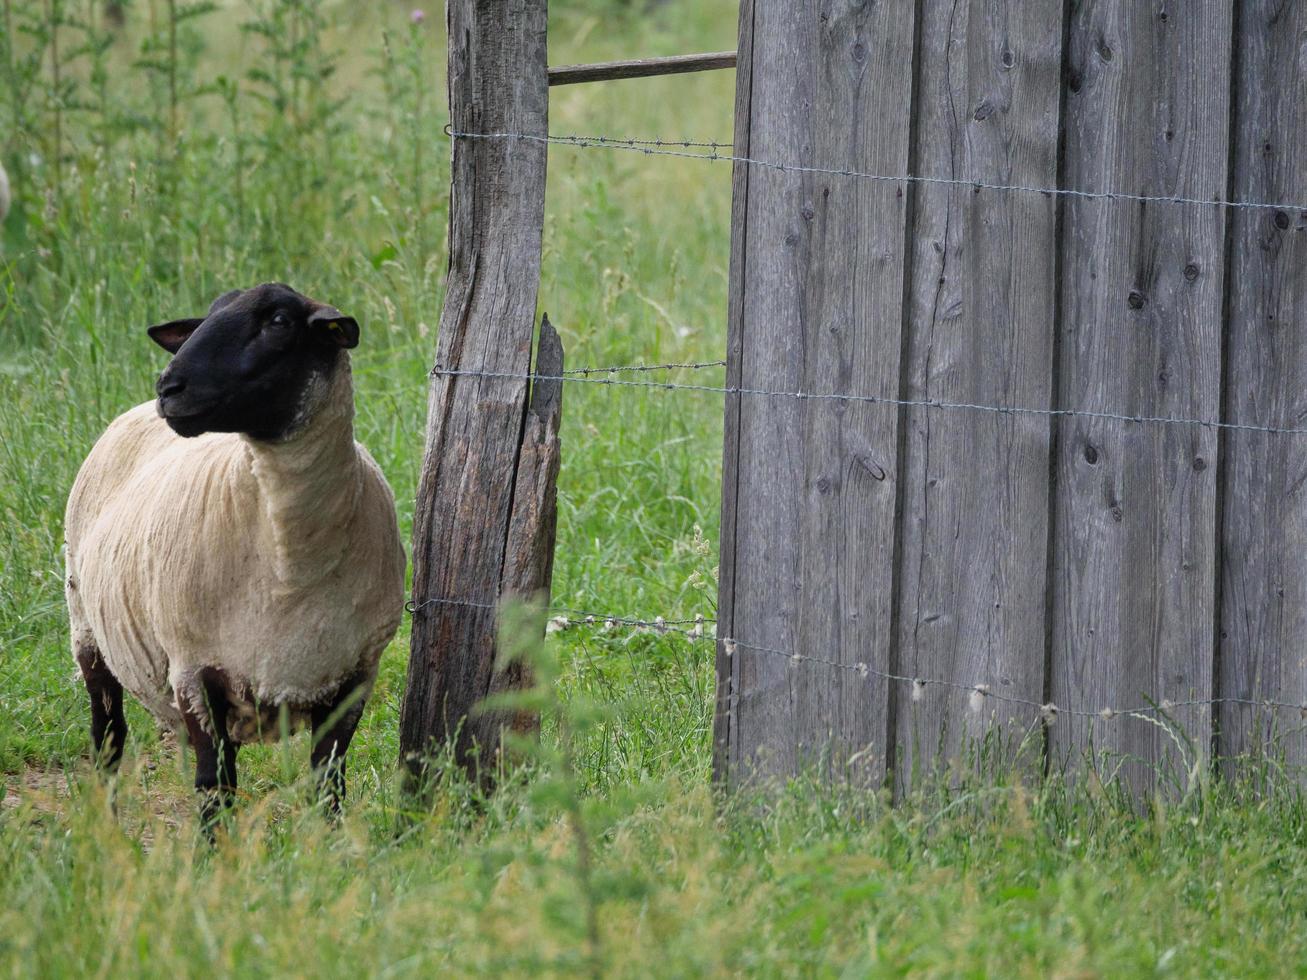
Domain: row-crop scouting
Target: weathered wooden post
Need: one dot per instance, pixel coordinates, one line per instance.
(1263, 625)
(483, 526)
(816, 303)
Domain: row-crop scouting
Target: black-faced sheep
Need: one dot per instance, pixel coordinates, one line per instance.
(233, 554)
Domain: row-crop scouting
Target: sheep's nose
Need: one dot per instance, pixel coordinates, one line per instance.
(169, 385)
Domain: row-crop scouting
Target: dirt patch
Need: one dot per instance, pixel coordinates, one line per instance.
(144, 801)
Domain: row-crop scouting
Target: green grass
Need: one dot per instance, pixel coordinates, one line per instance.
(266, 176)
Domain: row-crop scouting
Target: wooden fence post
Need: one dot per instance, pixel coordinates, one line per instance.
(816, 298)
(1263, 626)
(471, 503)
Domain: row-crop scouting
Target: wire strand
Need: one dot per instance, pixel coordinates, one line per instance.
(620, 368)
(581, 376)
(655, 149)
(586, 617)
(978, 693)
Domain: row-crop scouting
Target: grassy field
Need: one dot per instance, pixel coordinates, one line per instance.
(305, 146)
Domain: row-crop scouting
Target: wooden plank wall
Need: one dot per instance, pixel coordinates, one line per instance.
(1263, 638)
(1090, 562)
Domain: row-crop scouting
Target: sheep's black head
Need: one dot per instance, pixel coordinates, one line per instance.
(256, 364)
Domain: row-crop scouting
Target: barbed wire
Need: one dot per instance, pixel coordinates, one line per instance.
(978, 694)
(621, 368)
(569, 616)
(582, 376)
(607, 142)
(637, 142)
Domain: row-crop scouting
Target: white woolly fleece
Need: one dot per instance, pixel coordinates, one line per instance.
(277, 563)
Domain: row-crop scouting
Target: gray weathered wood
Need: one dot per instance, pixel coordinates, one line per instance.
(723, 715)
(533, 524)
(816, 304)
(1263, 649)
(982, 298)
(497, 83)
(607, 71)
(1147, 110)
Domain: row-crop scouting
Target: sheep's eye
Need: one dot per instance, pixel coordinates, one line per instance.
(280, 319)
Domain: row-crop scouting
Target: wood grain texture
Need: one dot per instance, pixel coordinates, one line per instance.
(607, 71)
(816, 301)
(1263, 640)
(982, 302)
(497, 83)
(1147, 110)
(533, 524)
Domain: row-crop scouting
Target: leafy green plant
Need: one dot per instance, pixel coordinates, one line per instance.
(557, 786)
(168, 55)
(405, 72)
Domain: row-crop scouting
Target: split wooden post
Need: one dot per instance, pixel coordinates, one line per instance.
(816, 294)
(487, 473)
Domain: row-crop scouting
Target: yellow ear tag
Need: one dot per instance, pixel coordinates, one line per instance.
(334, 327)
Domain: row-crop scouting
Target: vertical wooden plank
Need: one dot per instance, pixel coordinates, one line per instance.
(817, 304)
(724, 713)
(1263, 651)
(1147, 111)
(981, 312)
(497, 83)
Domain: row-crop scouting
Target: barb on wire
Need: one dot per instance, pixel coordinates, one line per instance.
(582, 376)
(656, 150)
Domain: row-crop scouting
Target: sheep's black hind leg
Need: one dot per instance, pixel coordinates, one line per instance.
(108, 725)
(334, 722)
(205, 715)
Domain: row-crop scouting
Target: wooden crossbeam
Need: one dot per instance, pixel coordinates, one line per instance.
(605, 71)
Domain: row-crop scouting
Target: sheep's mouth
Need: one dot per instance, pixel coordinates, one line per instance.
(185, 424)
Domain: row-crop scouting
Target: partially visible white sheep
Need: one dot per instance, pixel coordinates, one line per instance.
(4, 192)
(233, 554)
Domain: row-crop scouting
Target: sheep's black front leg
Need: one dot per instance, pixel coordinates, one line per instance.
(108, 725)
(334, 722)
(215, 752)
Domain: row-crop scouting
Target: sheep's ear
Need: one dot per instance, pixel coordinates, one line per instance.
(170, 336)
(223, 300)
(335, 327)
